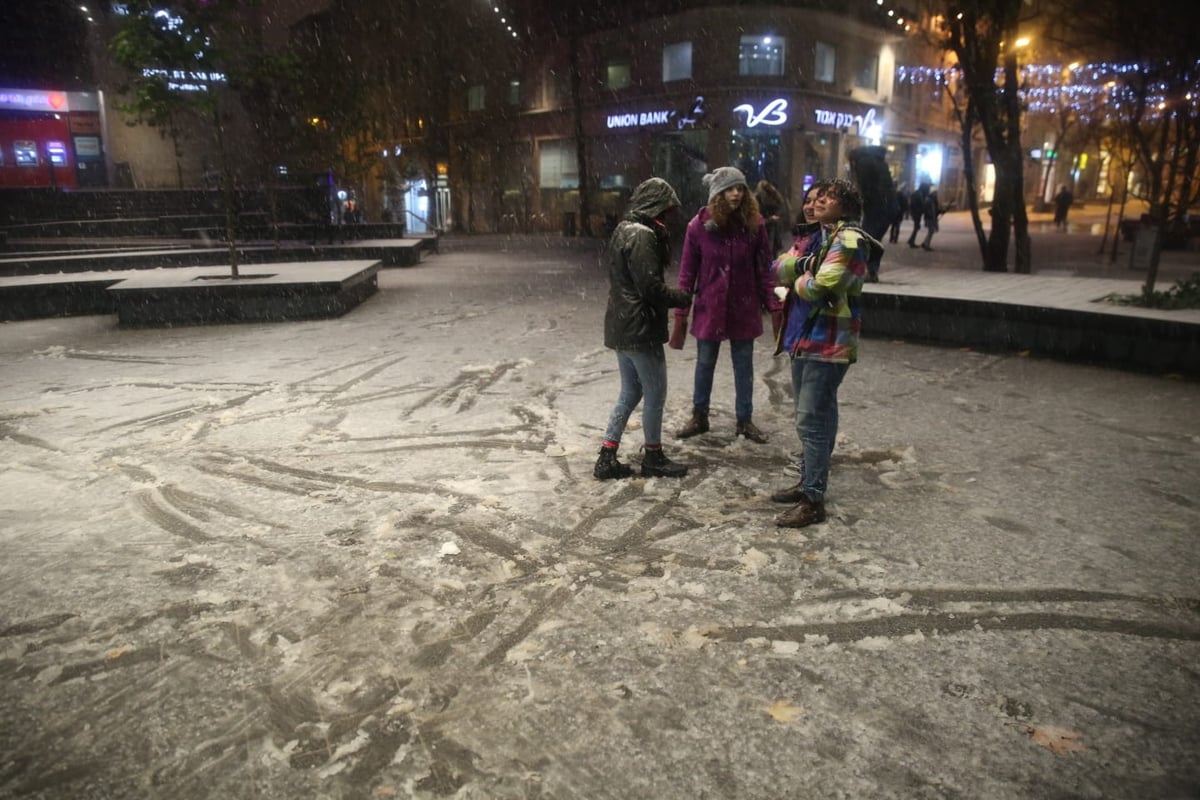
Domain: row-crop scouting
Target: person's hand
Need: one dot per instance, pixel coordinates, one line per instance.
(678, 333)
(776, 323)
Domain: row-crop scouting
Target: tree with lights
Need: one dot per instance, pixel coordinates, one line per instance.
(1152, 94)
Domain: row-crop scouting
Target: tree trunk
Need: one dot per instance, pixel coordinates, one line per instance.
(1158, 211)
(968, 122)
(1120, 216)
(585, 188)
(226, 190)
(1015, 162)
(995, 255)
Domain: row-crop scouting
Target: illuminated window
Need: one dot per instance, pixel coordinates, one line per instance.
(867, 76)
(618, 74)
(825, 65)
(475, 97)
(514, 92)
(761, 55)
(677, 62)
(558, 164)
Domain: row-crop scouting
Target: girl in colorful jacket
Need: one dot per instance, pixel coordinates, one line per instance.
(827, 344)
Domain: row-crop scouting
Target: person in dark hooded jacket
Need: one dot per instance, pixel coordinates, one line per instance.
(635, 325)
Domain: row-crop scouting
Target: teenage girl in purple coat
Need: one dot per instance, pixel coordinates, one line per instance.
(726, 265)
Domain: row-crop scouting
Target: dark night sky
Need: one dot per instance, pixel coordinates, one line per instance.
(43, 44)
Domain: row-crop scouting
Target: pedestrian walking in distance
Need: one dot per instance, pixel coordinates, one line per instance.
(916, 209)
(901, 214)
(1062, 204)
(933, 212)
(635, 325)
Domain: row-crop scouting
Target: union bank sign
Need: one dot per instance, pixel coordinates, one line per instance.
(777, 112)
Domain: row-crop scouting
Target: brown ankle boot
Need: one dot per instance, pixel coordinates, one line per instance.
(696, 425)
(801, 515)
(792, 494)
(751, 432)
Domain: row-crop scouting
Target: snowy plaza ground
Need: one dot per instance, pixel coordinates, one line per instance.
(365, 558)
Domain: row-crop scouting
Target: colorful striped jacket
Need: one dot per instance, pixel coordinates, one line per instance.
(834, 295)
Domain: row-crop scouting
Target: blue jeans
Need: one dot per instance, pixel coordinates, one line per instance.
(742, 353)
(815, 387)
(643, 379)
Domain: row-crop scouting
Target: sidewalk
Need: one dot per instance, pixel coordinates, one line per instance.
(945, 297)
(365, 558)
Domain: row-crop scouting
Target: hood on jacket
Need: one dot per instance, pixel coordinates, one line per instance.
(651, 198)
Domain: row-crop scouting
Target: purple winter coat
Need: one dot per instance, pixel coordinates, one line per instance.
(731, 277)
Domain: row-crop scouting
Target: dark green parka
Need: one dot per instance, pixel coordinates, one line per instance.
(638, 253)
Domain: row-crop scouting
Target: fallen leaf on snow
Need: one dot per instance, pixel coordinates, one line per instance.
(783, 712)
(1056, 740)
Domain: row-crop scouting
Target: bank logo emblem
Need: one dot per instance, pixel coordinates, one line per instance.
(774, 113)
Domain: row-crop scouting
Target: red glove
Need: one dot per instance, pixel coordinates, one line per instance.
(678, 333)
(776, 323)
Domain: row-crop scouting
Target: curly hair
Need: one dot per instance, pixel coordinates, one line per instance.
(746, 216)
(848, 195)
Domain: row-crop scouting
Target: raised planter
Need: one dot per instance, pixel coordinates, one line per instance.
(275, 292)
(1110, 339)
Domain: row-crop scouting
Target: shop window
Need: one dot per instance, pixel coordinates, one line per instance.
(558, 166)
(514, 92)
(25, 152)
(677, 62)
(475, 95)
(761, 55)
(825, 65)
(867, 76)
(618, 73)
(758, 154)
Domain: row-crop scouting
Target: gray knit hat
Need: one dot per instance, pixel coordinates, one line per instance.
(723, 178)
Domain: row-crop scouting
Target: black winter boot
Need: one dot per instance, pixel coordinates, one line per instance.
(608, 468)
(655, 464)
(696, 425)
